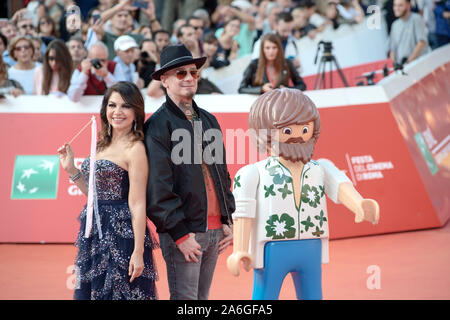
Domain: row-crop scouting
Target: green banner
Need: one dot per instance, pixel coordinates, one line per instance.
(426, 153)
(35, 177)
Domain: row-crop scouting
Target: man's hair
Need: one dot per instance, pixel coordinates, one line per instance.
(284, 16)
(160, 31)
(75, 38)
(210, 38)
(144, 41)
(180, 29)
(26, 16)
(99, 44)
(188, 20)
(271, 5)
(176, 26)
(307, 4)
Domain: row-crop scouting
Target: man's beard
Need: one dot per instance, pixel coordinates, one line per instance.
(190, 94)
(294, 151)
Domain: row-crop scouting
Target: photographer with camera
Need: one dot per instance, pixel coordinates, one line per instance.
(95, 74)
(146, 64)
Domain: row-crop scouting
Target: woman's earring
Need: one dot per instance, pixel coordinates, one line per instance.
(134, 127)
(109, 129)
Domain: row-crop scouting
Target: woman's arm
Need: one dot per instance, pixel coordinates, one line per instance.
(67, 162)
(246, 85)
(138, 175)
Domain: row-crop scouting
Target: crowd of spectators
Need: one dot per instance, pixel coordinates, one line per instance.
(45, 49)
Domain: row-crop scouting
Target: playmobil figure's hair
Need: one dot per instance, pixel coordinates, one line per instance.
(279, 108)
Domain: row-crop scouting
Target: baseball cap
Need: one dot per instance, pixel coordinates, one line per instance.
(123, 43)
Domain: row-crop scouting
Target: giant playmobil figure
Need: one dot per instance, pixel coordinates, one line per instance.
(281, 222)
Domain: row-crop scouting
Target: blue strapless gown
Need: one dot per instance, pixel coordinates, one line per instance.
(102, 265)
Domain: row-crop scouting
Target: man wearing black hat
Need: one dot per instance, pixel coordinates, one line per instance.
(188, 193)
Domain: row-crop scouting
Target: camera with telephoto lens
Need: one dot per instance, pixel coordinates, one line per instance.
(96, 63)
(145, 58)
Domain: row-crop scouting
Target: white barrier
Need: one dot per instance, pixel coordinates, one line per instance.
(352, 45)
(229, 103)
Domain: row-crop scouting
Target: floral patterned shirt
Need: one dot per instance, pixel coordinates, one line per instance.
(264, 192)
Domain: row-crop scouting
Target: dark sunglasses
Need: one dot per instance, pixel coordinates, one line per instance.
(26, 26)
(19, 48)
(51, 58)
(181, 74)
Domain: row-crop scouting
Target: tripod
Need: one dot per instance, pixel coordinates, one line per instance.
(327, 57)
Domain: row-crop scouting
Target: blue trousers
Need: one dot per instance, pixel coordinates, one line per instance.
(301, 258)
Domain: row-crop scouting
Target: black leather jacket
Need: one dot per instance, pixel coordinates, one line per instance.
(176, 194)
(248, 79)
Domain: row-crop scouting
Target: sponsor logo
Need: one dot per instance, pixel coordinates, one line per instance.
(35, 177)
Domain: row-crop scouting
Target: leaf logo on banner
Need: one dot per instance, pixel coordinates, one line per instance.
(35, 177)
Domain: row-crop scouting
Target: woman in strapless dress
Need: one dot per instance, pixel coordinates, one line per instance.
(115, 259)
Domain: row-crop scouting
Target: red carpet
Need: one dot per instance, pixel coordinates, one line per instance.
(410, 265)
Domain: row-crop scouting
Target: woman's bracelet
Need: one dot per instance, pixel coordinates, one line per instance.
(76, 176)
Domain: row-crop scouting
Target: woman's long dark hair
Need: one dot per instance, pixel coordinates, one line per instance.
(65, 67)
(279, 63)
(132, 96)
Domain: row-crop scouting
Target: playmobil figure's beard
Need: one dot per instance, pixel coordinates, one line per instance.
(294, 149)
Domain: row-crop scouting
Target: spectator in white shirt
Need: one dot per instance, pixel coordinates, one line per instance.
(22, 50)
(125, 48)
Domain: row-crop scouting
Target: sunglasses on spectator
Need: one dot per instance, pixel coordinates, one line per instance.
(181, 74)
(196, 28)
(51, 58)
(20, 48)
(26, 26)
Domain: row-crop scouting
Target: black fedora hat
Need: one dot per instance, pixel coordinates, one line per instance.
(174, 57)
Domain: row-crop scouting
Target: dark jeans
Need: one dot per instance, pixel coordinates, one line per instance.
(190, 280)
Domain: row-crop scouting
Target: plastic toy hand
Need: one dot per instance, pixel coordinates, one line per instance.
(233, 262)
(368, 211)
